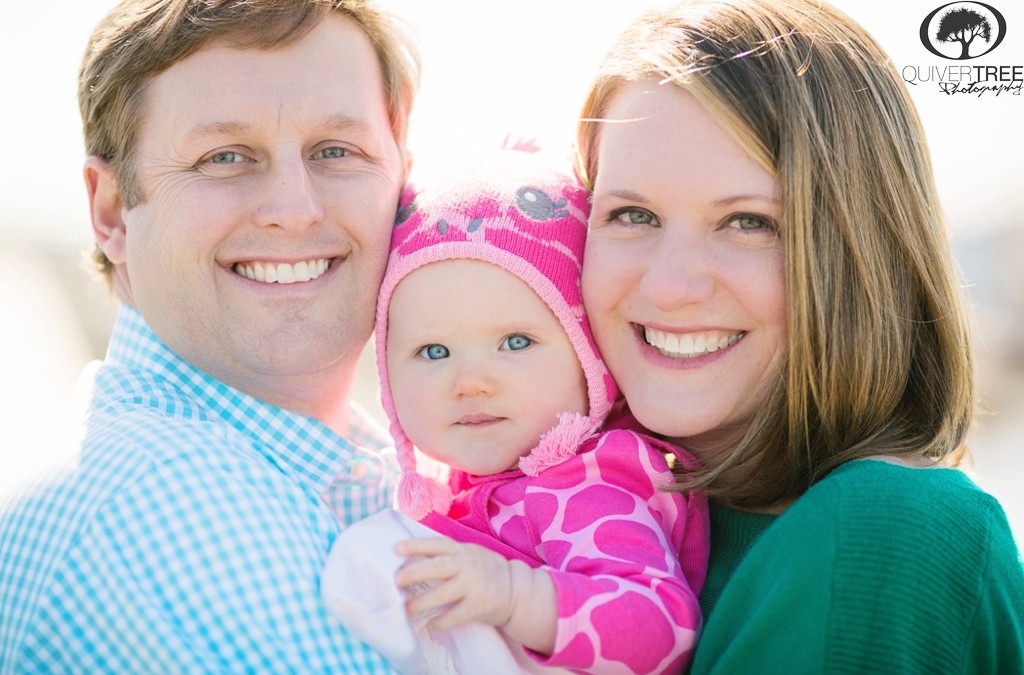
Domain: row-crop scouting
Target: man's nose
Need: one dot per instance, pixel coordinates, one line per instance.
(289, 198)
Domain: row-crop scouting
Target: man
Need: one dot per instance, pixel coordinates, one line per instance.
(245, 163)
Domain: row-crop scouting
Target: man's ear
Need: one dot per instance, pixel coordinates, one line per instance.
(105, 208)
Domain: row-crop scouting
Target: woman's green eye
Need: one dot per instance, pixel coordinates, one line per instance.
(751, 222)
(631, 217)
(635, 217)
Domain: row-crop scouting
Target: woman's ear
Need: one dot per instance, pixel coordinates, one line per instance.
(105, 208)
(407, 158)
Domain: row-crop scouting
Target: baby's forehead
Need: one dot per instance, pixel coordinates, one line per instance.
(455, 277)
(465, 297)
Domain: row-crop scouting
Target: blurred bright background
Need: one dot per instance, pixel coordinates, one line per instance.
(491, 69)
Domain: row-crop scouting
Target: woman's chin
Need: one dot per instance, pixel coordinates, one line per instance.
(664, 416)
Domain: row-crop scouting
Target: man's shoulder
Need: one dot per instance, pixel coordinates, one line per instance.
(144, 467)
(138, 411)
(138, 449)
(137, 433)
(119, 390)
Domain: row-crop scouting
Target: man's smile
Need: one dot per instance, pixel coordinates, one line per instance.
(282, 273)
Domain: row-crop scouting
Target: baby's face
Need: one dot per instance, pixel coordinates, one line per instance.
(479, 366)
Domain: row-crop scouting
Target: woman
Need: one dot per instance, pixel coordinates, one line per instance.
(769, 280)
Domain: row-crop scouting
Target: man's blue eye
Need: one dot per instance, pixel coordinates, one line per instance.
(226, 157)
(333, 153)
(434, 352)
(516, 342)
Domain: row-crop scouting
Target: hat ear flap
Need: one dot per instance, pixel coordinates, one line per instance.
(417, 496)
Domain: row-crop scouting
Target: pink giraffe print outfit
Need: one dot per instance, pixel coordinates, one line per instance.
(627, 558)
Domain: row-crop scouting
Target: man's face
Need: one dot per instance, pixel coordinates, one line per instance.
(270, 180)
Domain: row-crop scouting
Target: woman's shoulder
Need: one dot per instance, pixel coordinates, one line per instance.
(883, 488)
(892, 517)
(872, 493)
(865, 561)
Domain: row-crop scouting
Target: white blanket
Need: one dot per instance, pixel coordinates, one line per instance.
(358, 585)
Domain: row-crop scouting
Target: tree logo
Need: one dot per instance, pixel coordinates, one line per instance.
(963, 30)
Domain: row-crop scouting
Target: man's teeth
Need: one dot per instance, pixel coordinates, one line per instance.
(282, 273)
(689, 345)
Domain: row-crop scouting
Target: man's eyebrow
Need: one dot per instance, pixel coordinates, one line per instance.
(344, 122)
(338, 122)
(219, 128)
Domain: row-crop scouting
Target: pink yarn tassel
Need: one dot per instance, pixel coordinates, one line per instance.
(418, 496)
(558, 444)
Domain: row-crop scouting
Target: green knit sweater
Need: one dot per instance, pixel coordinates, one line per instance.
(878, 568)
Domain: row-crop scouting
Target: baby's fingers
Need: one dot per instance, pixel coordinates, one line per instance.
(463, 611)
(434, 598)
(421, 569)
(425, 546)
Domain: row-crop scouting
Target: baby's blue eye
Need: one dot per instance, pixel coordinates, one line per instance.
(434, 352)
(516, 342)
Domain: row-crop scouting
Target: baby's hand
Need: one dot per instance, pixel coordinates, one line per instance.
(458, 582)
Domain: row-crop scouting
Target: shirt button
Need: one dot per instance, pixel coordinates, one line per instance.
(360, 469)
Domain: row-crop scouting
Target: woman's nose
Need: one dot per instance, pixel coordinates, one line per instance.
(678, 273)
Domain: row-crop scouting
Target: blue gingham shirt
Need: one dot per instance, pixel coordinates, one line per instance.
(191, 534)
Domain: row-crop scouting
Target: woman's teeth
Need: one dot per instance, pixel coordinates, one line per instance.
(689, 345)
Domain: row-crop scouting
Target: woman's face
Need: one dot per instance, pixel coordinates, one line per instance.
(683, 274)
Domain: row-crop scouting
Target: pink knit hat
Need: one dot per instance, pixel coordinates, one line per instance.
(522, 215)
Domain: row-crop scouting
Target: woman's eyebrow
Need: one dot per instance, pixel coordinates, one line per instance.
(626, 195)
(732, 199)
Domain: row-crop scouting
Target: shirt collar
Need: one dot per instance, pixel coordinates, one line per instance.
(299, 445)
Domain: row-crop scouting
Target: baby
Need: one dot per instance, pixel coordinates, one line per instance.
(558, 532)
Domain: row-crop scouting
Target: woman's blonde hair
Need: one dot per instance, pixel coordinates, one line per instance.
(878, 359)
(141, 38)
